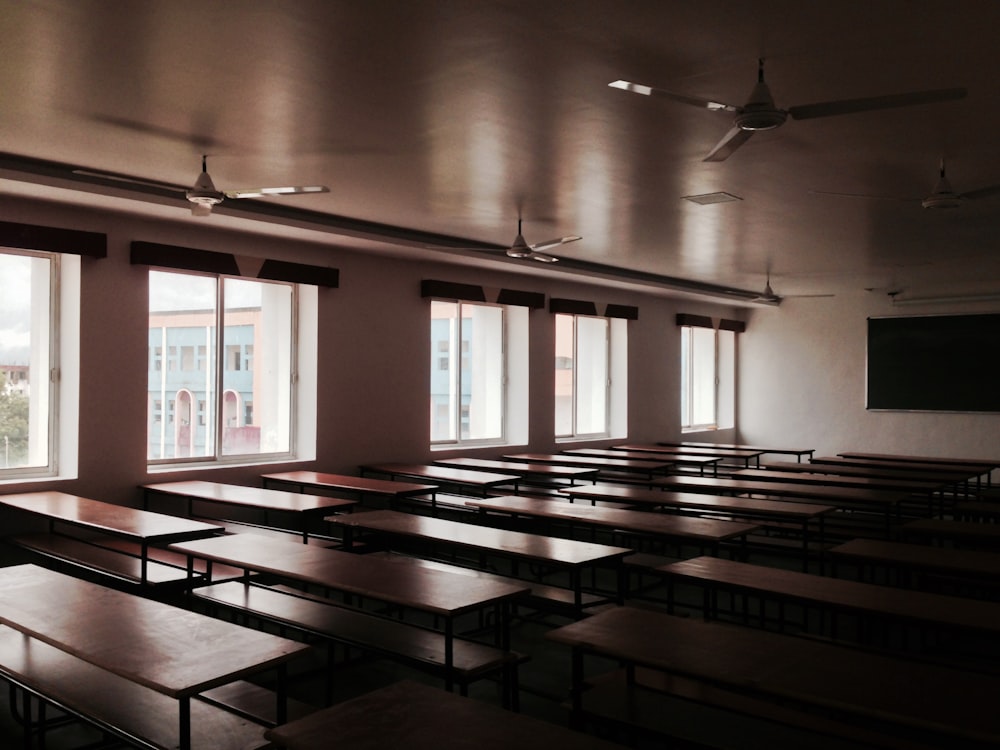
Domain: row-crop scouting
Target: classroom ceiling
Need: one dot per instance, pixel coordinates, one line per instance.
(437, 123)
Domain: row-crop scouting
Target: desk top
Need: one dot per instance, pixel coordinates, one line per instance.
(792, 471)
(535, 547)
(443, 474)
(973, 463)
(804, 672)
(596, 462)
(833, 495)
(109, 518)
(960, 562)
(690, 450)
(654, 524)
(618, 453)
(395, 582)
(970, 530)
(168, 649)
(518, 467)
(720, 503)
(946, 472)
(250, 497)
(740, 446)
(414, 716)
(348, 483)
(939, 609)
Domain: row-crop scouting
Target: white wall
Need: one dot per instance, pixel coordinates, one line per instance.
(373, 340)
(802, 383)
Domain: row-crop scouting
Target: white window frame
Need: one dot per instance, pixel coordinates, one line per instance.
(513, 318)
(301, 387)
(54, 383)
(613, 397)
(723, 379)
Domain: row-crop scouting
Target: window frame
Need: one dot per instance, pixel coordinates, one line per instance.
(574, 434)
(218, 365)
(55, 400)
(458, 357)
(723, 379)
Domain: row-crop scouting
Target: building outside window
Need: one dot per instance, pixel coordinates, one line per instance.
(468, 372)
(221, 400)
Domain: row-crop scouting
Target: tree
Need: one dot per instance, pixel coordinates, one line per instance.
(13, 426)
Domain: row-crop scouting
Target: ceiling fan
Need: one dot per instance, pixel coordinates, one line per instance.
(768, 296)
(761, 113)
(203, 195)
(521, 249)
(942, 196)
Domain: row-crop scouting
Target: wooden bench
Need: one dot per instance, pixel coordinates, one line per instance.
(323, 618)
(130, 711)
(95, 558)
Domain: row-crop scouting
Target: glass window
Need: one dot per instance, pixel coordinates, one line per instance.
(467, 372)
(582, 376)
(222, 401)
(29, 340)
(707, 378)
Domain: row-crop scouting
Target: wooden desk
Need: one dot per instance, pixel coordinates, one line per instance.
(878, 501)
(956, 532)
(965, 463)
(410, 716)
(358, 487)
(604, 465)
(805, 514)
(703, 532)
(537, 471)
(553, 552)
(119, 521)
(935, 611)
(170, 650)
(799, 453)
(921, 558)
(953, 475)
(943, 706)
(790, 471)
(413, 587)
(302, 507)
(480, 482)
(748, 457)
(616, 453)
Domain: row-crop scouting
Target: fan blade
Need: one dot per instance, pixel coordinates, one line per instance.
(639, 88)
(849, 106)
(729, 143)
(543, 258)
(261, 192)
(555, 243)
(867, 196)
(986, 192)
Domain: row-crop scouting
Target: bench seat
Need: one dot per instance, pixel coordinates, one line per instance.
(114, 704)
(418, 646)
(99, 559)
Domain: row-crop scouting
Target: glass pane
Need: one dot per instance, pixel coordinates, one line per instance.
(591, 375)
(703, 380)
(564, 375)
(257, 367)
(444, 370)
(685, 377)
(181, 399)
(25, 294)
(482, 372)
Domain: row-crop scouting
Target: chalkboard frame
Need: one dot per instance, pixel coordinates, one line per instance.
(934, 363)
